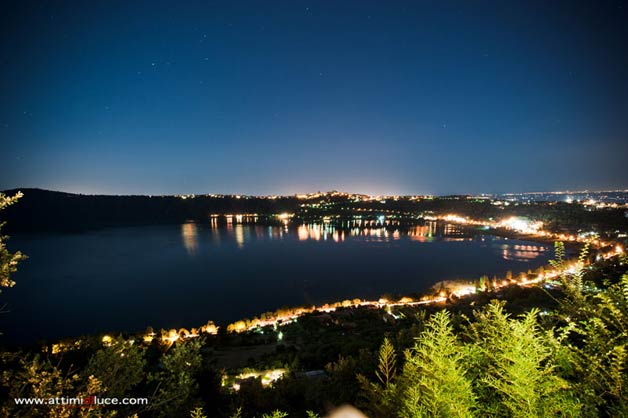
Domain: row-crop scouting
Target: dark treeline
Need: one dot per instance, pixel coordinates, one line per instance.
(42, 210)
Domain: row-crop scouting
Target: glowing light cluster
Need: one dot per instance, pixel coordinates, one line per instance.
(521, 224)
(267, 377)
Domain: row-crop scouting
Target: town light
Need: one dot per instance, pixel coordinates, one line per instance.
(521, 224)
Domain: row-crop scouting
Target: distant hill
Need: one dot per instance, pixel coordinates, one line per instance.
(44, 210)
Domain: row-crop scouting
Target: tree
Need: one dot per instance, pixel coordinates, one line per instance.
(595, 348)
(513, 367)
(382, 397)
(176, 383)
(559, 256)
(435, 381)
(119, 367)
(387, 363)
(35, 376)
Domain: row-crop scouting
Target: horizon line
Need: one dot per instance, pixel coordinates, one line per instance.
(557, 192)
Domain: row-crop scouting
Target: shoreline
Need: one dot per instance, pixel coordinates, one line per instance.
(285, 316)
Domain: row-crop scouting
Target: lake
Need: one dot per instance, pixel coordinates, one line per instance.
(171, 276)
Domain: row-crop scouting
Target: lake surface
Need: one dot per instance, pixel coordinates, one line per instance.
(171, 276)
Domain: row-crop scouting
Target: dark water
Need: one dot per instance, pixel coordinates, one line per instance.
(183, 275)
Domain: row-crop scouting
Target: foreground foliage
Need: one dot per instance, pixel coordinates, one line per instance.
(571, 364)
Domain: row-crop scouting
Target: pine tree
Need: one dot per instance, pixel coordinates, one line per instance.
(382, 397)
(514, 369)
(434, 377)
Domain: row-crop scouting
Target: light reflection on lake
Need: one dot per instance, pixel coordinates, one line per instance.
(519, 252)
(189, 236)
(172, 276)
(242, 232)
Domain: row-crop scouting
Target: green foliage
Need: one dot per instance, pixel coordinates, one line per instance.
(8, 260)
(343, 382)
(387, 363)
(559, 256)
(597, 349)
(93, 386)
(579, 269)
(176, 382)
(6, 201)
(197, 413)
(483, 284)
(514, 372)
(572, 281)
(382, 396)
(275, 414)
(434, 377)
(119, 367)
(35, 377)
(497, 366)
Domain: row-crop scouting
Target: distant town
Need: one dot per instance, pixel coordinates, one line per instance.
(590, 197)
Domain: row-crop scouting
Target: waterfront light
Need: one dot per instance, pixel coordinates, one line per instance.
(463, 290)
(169, 337)
(456, 219)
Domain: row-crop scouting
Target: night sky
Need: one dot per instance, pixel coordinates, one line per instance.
(273, 97)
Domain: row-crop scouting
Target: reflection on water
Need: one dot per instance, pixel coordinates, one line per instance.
(239, 235)
(371, 231)
(423, 233)
(241, 229)
(522, 253)
(189, 234)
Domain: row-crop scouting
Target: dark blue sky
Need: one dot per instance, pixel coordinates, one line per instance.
(297, 96)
